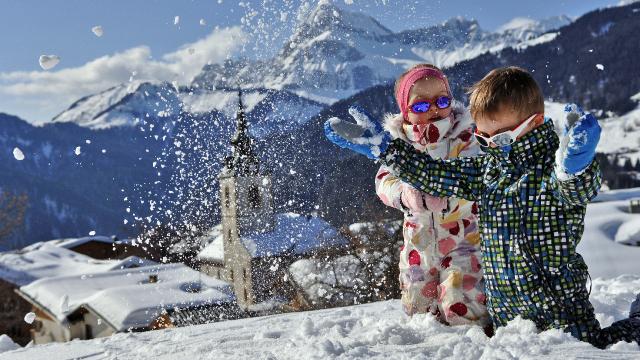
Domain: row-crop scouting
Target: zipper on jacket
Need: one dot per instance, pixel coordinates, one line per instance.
(433, 226)
(446, 210)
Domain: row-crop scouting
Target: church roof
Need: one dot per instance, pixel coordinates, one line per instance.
(293, 234)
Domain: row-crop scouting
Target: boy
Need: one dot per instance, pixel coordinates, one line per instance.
(532, 189)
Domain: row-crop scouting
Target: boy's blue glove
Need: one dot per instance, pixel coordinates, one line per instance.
(366, 136)
(580, 138)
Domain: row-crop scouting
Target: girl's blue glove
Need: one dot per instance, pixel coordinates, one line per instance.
(366, 136)
(580, 138)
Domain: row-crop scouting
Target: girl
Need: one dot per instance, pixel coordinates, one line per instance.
(440, 268)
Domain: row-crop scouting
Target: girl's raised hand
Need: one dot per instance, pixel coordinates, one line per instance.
(366, 136)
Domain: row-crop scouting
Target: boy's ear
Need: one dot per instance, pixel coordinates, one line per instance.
(539, 120)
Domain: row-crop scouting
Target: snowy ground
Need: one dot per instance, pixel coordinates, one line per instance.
(380, 330)
(607, 221)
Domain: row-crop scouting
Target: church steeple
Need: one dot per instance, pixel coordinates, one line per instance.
(244, 161)
(246, 204)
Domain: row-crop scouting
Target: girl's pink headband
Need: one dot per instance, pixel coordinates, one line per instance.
(402, 96)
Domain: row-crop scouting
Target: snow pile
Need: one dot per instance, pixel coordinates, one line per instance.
(372, 331)
(605, 218)
(6, 344)
(629, 232)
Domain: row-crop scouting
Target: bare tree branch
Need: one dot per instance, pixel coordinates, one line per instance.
(12, 210)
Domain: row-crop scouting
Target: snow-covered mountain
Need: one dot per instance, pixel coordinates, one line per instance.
(123, 105)
(311, 173)
(527, 29)
(334, 53)
(136, 103)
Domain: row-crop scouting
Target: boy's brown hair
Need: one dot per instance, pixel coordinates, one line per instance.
(512, 87)
(417, 66)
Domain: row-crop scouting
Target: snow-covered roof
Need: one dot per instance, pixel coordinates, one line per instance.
(73, 242)
(24, 266)
(363, 230)
(125, 298)
(214, 250)
(293, 232)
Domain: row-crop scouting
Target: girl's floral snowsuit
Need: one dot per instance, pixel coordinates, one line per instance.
(440, 265)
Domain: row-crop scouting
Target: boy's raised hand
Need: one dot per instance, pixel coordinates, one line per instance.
(366, 136)
(580, 138)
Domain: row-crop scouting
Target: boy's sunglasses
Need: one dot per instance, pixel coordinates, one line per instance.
(504, 138)
(422, 106)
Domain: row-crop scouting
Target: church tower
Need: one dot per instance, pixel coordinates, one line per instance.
(247, 206)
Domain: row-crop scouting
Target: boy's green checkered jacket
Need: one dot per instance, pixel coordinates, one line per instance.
(531, 223)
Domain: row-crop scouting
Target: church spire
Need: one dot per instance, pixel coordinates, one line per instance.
(244, 161)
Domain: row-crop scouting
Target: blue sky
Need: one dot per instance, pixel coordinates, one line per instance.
(30, 28)
(144, 31)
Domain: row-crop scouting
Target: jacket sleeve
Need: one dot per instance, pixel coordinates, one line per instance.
(459, 177)
(389, 188)
(578, 189)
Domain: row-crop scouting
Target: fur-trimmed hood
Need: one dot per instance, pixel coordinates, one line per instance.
(463, 121)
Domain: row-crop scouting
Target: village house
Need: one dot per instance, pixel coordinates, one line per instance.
(253, 246)
(105, 247)
(22, 267)
(146, 298)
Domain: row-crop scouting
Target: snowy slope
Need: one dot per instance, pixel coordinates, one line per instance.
(372, 331)
(608, 225)
(381, 331)
(620, 134)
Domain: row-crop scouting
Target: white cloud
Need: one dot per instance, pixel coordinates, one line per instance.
(37, 96)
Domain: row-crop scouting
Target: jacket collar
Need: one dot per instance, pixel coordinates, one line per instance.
(534, 146)
(462, 121)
